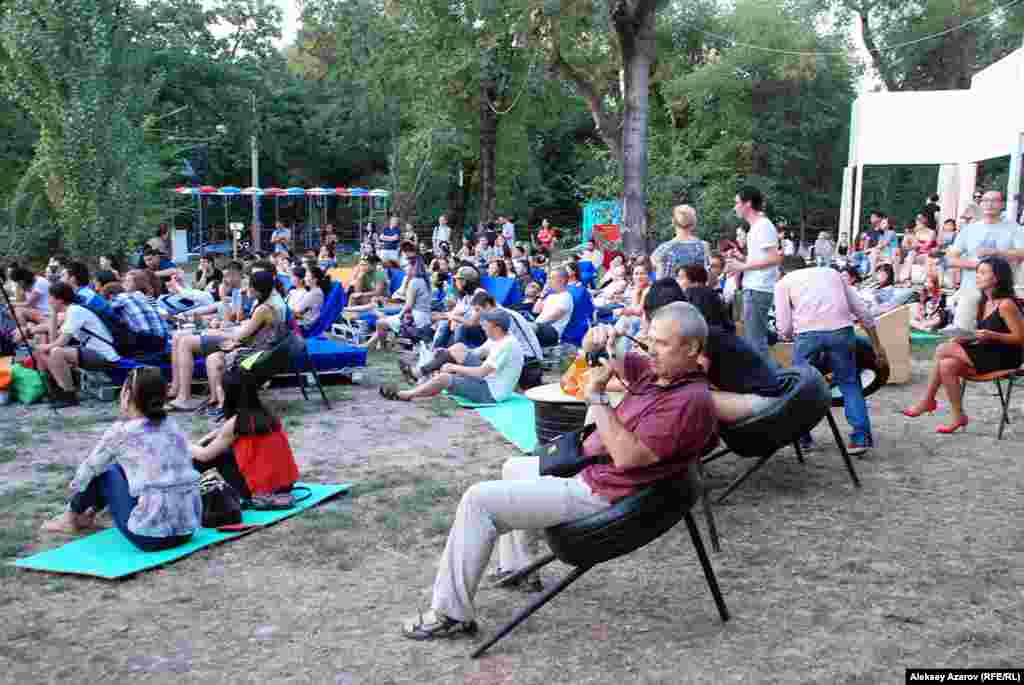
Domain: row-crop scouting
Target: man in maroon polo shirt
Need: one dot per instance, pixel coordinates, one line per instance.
(662, 426)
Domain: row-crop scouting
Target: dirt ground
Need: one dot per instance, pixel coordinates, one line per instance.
(826, 583)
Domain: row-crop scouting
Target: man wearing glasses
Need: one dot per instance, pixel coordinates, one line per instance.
(990, 236)
(972, 210)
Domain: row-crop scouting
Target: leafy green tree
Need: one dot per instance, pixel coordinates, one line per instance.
(70, 66)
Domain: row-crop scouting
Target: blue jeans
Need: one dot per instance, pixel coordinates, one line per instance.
(110, 490)
(839, 348)
(757, 306)
(470, 336)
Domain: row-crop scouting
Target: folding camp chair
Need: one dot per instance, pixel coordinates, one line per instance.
(998, 378)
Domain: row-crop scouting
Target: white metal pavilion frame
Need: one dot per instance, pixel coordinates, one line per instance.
(952, 128)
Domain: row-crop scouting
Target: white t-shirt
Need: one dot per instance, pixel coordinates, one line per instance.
(1002, 236)
(506, 358)
(552, 303)
(788, 248)
(762, 237)
(508, 229)
(79, 322)
(442, 234)
(42, 286)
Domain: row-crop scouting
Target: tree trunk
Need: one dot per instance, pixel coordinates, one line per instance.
(488, 150)
(635, 30)
(457, 198)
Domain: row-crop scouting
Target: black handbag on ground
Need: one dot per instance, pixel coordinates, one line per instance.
(221, 504)
(563, 456)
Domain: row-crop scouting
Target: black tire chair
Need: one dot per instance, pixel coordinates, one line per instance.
(624, 527)
(806, 401)
(866, 361)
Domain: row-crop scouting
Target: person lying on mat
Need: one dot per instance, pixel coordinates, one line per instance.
(487, 376)
(995, 345)
(141, 471)
(662, 426)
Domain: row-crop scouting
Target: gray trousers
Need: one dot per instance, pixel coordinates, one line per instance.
(517, 508)
(968, 298)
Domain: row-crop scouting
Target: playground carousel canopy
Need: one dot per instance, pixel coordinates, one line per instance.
(316, 192)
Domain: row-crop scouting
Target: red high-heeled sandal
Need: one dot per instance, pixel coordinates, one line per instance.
(947, 430)
(927, 409)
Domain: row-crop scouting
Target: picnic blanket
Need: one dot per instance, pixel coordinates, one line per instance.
(109, 555)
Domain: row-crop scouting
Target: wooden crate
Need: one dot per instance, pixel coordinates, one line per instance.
(893, 332)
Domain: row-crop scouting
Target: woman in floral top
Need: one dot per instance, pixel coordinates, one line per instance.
(141, 470)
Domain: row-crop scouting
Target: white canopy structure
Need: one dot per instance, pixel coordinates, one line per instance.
(953, 128)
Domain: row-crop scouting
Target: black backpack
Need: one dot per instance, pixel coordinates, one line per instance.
(125, 340)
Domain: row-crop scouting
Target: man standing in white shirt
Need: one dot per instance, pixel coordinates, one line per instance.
(554, 310)
(760, 270)
(986, 238)
(508, 229)
(442, 234)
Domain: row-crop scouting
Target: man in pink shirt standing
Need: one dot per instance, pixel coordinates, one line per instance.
(819, 307)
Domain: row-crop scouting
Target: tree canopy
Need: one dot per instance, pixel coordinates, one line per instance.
(526, 108)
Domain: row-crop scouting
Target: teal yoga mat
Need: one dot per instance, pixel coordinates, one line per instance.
(513, 418)
(925, 337)
(108, 554)
(468, 404)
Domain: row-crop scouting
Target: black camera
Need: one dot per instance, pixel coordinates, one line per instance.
(594, 358)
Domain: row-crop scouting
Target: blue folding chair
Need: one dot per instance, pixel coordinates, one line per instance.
(395, 278)
(335, 303)
(505, 291)
(588, 273)
(582, 311)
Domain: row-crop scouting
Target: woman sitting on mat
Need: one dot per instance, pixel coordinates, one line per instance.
(251, 452)
(996, 346)
(141, 470)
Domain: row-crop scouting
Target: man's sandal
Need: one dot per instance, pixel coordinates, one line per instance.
(390, 392)
(433, 626)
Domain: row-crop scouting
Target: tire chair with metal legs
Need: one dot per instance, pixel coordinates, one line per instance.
(803, 405)
(622, 528)
(872, 376)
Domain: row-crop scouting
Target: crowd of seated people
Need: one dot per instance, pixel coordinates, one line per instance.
(149, 312)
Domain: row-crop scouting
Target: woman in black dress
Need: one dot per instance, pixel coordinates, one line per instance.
(996, 346)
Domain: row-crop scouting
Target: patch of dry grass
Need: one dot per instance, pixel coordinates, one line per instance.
(826, 584)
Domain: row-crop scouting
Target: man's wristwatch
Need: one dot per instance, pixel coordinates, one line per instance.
(598, 399)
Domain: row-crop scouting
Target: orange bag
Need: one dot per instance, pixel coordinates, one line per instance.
(574, 380)
(5, 372)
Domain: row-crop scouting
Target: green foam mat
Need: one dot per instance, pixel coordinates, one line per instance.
(108, 554)
(514, 419)
(468, 404)
(925, 337)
